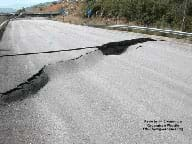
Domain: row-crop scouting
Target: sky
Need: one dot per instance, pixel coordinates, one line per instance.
(16, 4)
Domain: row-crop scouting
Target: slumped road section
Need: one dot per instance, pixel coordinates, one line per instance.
(93, 96)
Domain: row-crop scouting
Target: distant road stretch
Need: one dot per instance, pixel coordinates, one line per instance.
(87, 96)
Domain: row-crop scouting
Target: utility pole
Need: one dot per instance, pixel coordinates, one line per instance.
(184, 16)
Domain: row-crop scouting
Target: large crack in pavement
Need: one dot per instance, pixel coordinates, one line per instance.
(117, 48)
(112, 48)
(39, 80)
(31, 86)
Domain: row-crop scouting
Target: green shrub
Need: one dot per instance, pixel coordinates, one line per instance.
(160, 13)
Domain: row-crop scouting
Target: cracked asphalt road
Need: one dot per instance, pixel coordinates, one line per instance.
(95, 99)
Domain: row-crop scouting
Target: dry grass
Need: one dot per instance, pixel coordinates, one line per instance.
(85, 21)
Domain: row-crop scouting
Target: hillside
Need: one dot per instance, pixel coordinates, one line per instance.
(72, 7)
(75, 10)
(176, 15)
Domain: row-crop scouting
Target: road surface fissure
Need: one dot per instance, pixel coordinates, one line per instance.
(111, 48)
(45, 52)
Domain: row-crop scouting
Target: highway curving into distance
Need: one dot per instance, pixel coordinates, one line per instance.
(99, 95)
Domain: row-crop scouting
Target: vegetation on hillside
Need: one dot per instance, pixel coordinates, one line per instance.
(175, 14)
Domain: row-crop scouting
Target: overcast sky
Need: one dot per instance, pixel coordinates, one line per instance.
(20, 3)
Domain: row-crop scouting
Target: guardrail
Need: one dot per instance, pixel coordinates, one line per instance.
(2, 27)
(3, 23)
(168, 31)
(39, 14)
